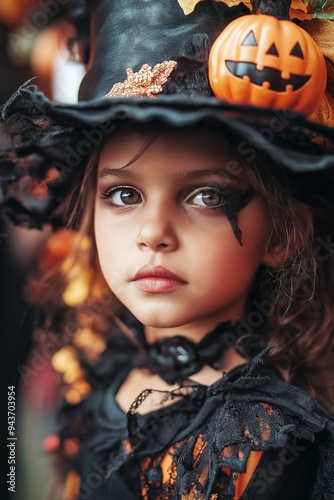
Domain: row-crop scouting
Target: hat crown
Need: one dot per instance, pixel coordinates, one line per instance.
(128, 33)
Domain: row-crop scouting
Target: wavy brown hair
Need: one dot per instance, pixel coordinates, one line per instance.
(296, 300)
(290, 307)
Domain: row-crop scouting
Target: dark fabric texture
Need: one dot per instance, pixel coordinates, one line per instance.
(148, 32)
(177, 358)
(207, 433)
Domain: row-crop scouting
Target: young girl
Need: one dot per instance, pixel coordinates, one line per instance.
(206, 369)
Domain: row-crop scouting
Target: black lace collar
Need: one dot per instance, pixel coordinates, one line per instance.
(176, 358)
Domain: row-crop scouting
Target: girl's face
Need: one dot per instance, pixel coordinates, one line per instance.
(166, 247)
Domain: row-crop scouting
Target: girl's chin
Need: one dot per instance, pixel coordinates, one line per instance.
(165, 321)
(161, 324)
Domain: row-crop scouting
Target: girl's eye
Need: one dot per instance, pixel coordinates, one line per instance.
(121, 196)
(206, 197)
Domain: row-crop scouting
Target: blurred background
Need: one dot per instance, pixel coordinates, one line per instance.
(33, 43)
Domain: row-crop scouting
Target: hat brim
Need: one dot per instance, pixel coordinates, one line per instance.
(287, 138)
(300, 144)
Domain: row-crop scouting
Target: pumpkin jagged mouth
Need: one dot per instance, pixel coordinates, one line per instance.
(270, 75)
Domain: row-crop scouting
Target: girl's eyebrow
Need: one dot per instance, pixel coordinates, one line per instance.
(195, 174)
(179, 175)
(119, 172)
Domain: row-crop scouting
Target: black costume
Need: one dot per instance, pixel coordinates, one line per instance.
(193, 442)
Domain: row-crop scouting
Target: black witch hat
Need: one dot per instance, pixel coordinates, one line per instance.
(148, 61)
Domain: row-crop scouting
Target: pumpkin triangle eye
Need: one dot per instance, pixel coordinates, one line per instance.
(250, 40)
(272, 50)
(297, 51)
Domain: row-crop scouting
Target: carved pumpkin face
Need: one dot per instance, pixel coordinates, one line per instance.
(267, 62)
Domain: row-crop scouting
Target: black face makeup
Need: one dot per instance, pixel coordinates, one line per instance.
(211, 198)
(206, 189)
(178, 209)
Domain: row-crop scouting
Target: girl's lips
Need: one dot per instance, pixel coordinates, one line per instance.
(158, 285)
(157, 280)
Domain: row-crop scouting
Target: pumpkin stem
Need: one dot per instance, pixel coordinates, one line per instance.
(276, 8)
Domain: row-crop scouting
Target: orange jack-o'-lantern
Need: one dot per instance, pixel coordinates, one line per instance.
(263, 61)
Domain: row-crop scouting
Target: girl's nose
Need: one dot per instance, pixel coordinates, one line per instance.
(157, 233)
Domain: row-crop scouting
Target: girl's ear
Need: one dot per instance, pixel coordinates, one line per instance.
(279, 252)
